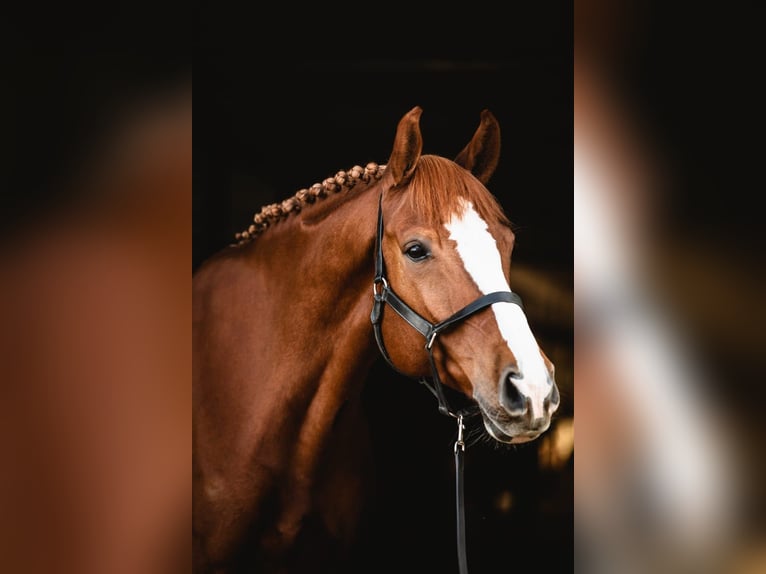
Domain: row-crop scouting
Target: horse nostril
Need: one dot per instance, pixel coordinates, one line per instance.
(510, 396)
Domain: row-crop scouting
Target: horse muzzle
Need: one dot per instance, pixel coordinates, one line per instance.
(516, 417)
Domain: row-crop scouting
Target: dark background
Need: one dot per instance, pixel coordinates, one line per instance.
(274, 116)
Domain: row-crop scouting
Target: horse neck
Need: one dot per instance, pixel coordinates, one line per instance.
(318, 269)
(282, 341)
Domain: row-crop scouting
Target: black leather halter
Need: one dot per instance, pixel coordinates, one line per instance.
(383, 293)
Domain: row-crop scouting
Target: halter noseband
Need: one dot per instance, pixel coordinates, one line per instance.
(383, 293)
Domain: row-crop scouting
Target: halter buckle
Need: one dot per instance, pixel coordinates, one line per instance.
(379, 281)
(431, 339)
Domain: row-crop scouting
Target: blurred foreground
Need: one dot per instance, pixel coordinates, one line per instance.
(95, 355)
(669, 355)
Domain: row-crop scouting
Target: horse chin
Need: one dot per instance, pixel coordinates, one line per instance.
(505, 433)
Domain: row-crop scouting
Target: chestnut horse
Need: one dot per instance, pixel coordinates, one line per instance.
(282, 342)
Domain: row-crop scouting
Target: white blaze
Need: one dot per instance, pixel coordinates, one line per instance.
(481, 258)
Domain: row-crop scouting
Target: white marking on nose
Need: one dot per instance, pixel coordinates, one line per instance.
(481, 259)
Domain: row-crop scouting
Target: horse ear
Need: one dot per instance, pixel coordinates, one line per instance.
(482, 153)
(408, 144)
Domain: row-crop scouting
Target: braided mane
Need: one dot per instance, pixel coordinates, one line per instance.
(342, 181)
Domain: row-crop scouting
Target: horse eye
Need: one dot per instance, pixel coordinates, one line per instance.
(417, 252)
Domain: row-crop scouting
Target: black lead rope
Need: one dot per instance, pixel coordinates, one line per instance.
(459, 448)
(382, 294)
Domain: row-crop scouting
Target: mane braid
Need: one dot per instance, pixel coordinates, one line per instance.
(342, 181)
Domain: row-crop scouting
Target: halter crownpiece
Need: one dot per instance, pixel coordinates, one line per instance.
(383, 293)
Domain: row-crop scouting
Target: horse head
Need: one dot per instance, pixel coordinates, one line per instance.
(446, 242)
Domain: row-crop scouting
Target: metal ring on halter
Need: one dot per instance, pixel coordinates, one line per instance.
(377, 281)
(431, 340)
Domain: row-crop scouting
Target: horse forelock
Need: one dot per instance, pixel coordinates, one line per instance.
(342, 181)
(439, 189)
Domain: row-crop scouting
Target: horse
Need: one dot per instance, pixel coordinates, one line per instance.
(289, 318)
